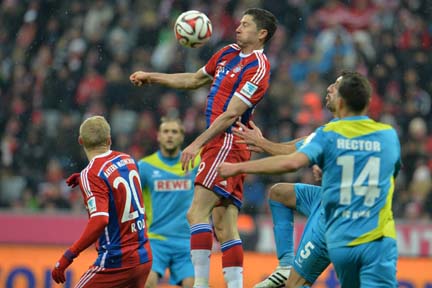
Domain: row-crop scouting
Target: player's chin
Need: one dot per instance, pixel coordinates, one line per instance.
(239, 42)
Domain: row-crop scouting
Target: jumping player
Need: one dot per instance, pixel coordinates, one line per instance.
(239, 75)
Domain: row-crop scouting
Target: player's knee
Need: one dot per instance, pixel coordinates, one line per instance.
(283, 193)
(219, 231)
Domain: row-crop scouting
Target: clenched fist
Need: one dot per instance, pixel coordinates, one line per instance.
(140, 78)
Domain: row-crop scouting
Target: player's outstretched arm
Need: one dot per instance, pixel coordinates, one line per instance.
(176, 80)
(258, 143)
(269, 165)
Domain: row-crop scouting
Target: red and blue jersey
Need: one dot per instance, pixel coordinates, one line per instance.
(236, 74)
(111, 187)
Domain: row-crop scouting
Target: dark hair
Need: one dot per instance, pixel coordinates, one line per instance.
(356, 90)
(264, 20)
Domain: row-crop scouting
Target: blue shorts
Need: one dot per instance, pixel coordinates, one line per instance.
(372, 264)
(312, 256)
(308, 198)
(172, 255)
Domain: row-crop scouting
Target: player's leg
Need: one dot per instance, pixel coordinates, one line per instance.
(201, 233)
(225, 215)
(187, 282)
(379, 269)
(161, 259)
(347, 265)
(181, 268)
(283, 199)
(312, 255)
(152, 280)
(205, 199)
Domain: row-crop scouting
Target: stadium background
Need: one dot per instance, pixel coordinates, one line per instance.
(61, 61)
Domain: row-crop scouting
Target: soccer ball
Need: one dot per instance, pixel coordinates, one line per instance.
(193, 29)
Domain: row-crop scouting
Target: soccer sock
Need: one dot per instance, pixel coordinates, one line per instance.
(283, 228)
(232, 263)
(201, 244)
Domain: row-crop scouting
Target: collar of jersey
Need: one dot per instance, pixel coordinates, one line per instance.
(167, 160)
(246, 55)
(357, 117)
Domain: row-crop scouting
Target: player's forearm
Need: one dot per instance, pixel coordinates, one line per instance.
(220, 124)
(276, 148)
(93, 230)
(273, 165)
(177, 80)
(269, 165)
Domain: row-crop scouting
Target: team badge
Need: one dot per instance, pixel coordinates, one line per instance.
(91, 205)
(248, 89)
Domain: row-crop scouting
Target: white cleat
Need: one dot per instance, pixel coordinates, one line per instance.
(277, 279)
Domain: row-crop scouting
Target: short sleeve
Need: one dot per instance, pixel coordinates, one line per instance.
(255, 81)
(210, 67)
(313, 146)
(96, 194)
(299, 144)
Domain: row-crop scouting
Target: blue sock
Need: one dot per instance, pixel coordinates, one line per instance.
(283, 228)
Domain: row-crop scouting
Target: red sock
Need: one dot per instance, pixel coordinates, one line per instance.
(233, 256)
(202, 241)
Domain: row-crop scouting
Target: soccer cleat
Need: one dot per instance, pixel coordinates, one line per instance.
(277, 279)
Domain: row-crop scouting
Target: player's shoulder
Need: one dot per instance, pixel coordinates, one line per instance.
(232, 46)
(229, 49)
(356, 127)
(151, 159)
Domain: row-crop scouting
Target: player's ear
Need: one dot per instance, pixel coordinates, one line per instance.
(262, 34)
(109, 142)
(80, 141)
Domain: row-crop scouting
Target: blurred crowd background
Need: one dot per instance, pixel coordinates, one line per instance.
(62, 61)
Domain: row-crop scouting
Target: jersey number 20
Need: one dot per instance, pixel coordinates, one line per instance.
(370, 172)
(131, 192)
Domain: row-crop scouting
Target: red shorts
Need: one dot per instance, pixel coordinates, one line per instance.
(98, 277)
(212, 155)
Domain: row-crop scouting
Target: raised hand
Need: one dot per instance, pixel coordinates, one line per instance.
(139, 78)
(250, 136)
(188, 157)
(73, 180)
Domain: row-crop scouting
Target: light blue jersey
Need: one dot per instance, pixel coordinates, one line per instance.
(168, 193)
(359, 158)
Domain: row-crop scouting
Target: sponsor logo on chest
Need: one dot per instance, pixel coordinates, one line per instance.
(172, 185)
